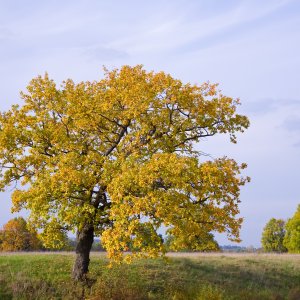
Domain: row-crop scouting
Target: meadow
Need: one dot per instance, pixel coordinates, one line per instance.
(182, 276)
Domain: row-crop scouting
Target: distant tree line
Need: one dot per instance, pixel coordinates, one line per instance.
(17, 236)
(280, 236)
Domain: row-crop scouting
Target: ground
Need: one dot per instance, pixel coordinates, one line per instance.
(182, 276)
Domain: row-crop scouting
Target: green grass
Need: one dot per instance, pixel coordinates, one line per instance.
(201, 276)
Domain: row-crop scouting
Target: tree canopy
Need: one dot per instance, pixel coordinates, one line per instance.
(116, 158)
(292, 236)
(273, 235)
(15, 236)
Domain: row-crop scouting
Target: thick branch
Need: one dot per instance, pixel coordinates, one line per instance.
(121, 134)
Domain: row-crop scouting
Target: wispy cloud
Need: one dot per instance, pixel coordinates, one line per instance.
(192, 28)
(292, 123)
(267, 106)
(101, 53)
(5, 33)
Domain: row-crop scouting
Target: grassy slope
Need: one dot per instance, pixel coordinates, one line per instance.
(202, 276)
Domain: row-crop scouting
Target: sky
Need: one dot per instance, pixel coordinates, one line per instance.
(250, 47)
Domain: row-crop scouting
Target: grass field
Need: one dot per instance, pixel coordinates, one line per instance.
(184, 276)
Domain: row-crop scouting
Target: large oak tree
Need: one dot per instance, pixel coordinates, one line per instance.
(116, 158)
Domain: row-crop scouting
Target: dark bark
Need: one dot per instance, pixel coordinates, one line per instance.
(85, 238)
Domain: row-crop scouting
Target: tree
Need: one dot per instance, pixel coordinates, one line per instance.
(292, 237)
(273, 235)
(15, 236)
(115, 158)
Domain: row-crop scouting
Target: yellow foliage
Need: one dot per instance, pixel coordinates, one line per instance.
(119, 154)
(15, 236)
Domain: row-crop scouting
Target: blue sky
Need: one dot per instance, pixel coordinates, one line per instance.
(250, 47)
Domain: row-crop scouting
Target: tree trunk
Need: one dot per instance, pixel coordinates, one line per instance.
(85, 239)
